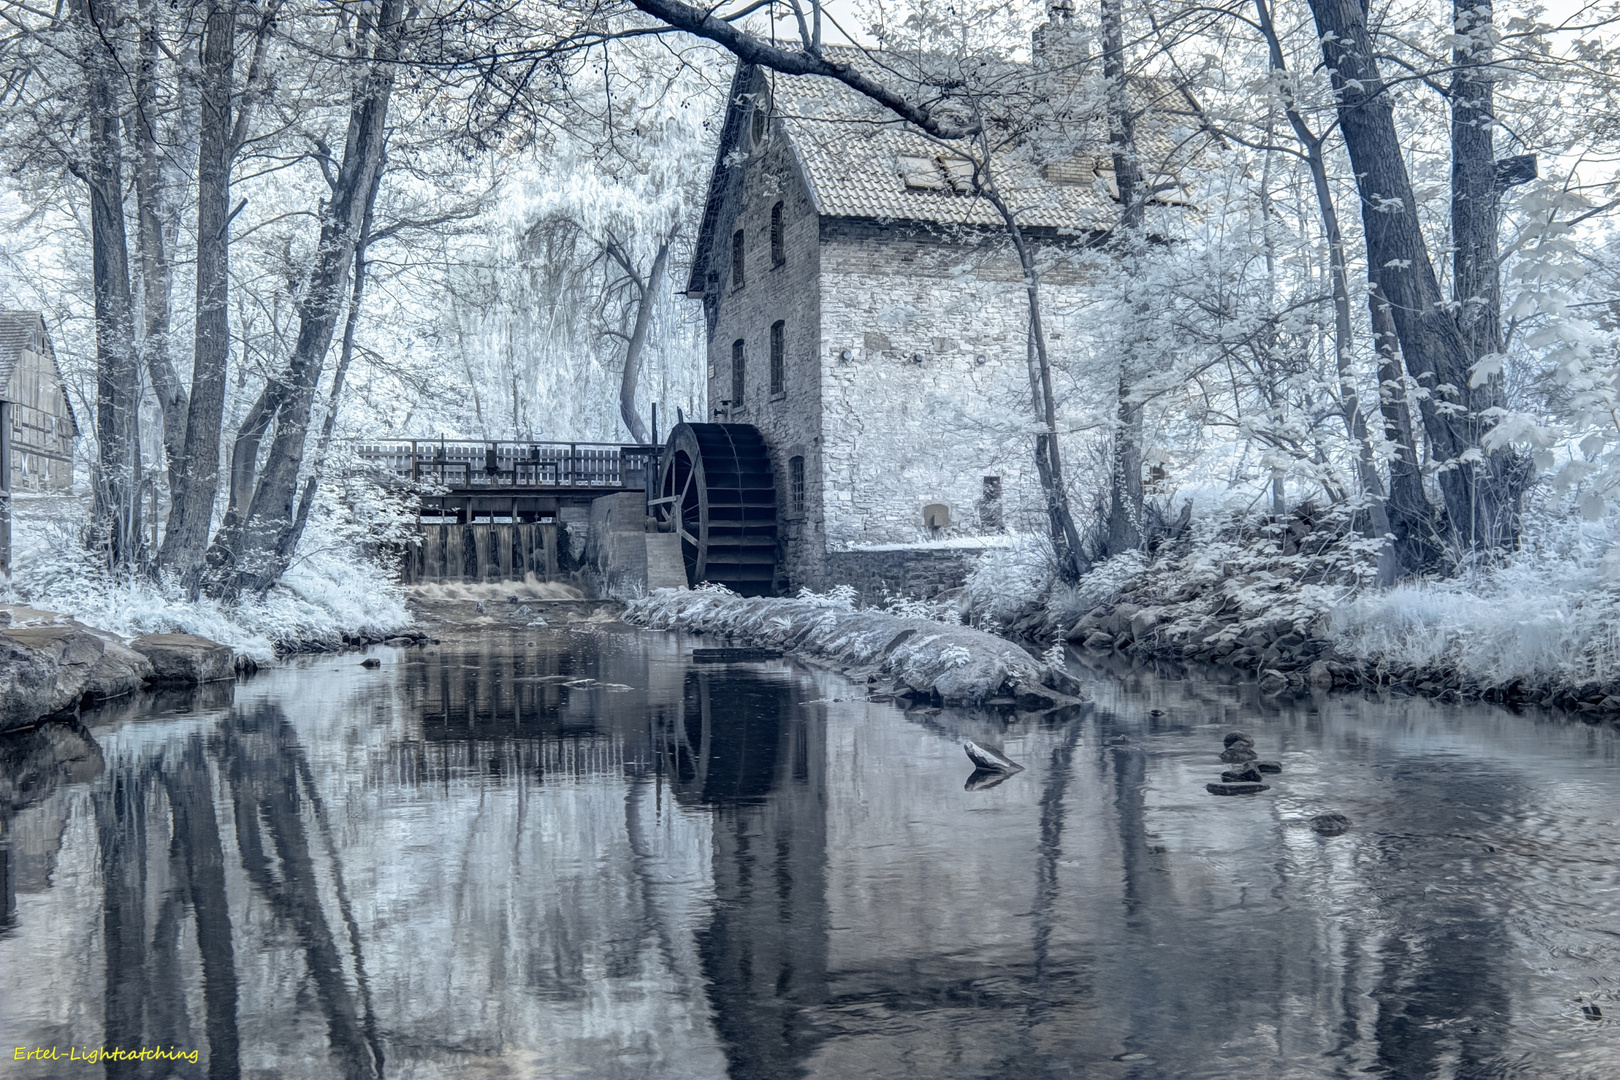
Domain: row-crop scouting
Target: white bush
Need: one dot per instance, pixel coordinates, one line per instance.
(337, 584)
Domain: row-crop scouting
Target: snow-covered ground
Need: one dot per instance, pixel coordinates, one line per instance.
(332, 588)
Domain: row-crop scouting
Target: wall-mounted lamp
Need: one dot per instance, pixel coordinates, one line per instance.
(981, 359)
(916, 358)
(846, 356)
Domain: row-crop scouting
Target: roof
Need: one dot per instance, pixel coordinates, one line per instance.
(860, 161)
(25, 330)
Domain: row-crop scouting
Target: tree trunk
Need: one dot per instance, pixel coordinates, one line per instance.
(1476, 272)
(253, 557)
(117, 513)
(1066, 551)
(1124, 526)
(1355, 423)
(638, 340)
(157, 274)
(1411, 517)
(1398, 261)
(191, 507)
(345, 358)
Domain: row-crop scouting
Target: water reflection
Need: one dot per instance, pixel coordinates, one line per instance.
(576, 854)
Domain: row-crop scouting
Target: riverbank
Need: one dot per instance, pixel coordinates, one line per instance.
(1294, 607)
(919, 658)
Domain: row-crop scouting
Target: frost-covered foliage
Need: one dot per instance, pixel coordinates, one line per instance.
(338, 584)
(1551, 615)
(1006, 582)
(955, 663)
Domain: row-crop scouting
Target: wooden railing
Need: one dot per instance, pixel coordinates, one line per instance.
(465, 463)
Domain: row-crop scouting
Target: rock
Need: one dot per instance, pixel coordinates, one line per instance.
(1119, 740)
(121, 670)
(986, 757)
(371, 662)
(185, 659)
(1237, 736)
(1320, 676)
(1119, 620)
(1144, 623)
(1099, 640)
(1268, 766)
(1238, 752)
(1273, 681)
(1224, 788)
(1239, 774)
(1330, 824)
(400, 641)
(44, 670)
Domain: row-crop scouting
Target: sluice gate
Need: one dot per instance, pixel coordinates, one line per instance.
(482, 551)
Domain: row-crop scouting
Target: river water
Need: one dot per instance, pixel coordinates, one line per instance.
(575, 853)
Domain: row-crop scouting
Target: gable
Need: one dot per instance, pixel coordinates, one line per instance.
(24, 331)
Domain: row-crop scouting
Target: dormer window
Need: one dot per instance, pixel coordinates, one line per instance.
(941, 172)
(737, 263)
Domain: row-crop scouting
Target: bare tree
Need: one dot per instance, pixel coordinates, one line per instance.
(117, 487)
(253, 548)
(1481, 491)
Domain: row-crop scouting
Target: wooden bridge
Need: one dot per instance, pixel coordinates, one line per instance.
(468, 480)
(489, 509)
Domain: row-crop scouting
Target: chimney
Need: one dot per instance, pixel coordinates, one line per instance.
(1062, 42)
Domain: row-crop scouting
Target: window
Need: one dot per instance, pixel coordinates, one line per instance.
(737, 259)
(796, 484)
(990, 515)
(737, 374)
(759, 125)
(778, 240)
(778, 354)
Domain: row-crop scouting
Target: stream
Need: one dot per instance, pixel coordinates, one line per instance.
(574, 852)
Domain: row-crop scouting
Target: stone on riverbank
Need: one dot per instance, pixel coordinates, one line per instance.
(1236, 789)
(49, 663)
(1239, 774)
(185, 659)
(957, 664)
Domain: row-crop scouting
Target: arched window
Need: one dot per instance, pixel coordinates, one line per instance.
(737, 374)
(796, 484)
(778, 240)
(778, 357)
(737, 259)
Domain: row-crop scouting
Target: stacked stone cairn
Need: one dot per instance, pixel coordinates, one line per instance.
(1244, 770)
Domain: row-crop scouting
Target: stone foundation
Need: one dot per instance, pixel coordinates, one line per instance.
(918, 573)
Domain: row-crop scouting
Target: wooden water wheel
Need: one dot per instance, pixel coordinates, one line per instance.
(715, 489)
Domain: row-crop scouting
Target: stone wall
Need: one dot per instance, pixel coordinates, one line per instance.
(935, 396)
(918, 573)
